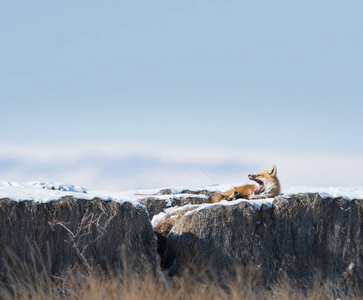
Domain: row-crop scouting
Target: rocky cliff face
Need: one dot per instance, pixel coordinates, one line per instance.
(71, 231)
(303, 236)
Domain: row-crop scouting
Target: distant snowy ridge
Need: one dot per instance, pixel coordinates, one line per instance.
(44, 185)
(43, 192)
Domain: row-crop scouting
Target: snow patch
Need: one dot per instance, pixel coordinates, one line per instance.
(161, 216)
(348, 193)
(257, 204)
(157, 218)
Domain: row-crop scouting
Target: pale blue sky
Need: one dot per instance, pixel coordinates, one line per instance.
(273, 75)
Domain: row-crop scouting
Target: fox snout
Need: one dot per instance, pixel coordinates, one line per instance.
(251, 176)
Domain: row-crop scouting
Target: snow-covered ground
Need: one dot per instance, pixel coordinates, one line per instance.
(47, 191)
(43, 192)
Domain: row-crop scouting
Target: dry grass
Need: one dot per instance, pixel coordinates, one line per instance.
(30, 282)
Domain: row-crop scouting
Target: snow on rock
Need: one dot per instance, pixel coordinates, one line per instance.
(48, 191)
(256, 203)
(43, 192)
(348, 193)
(162, 215)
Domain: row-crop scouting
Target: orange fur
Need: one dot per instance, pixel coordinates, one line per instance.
(267, 186)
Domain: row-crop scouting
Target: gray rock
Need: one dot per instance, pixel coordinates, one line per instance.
(105, 233)
(303, 236)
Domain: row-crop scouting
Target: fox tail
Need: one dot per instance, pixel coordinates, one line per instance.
(216, 197)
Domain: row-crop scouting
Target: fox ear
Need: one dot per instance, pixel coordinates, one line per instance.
(272, 170)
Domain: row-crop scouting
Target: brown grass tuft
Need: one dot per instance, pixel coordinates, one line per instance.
(30, 282)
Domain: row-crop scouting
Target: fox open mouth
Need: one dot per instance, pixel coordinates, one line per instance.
(260, 186)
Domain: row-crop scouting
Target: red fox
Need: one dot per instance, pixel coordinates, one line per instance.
(267, 186)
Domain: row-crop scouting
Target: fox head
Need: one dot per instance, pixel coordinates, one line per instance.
(268, 184)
